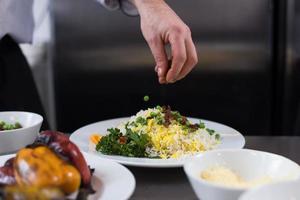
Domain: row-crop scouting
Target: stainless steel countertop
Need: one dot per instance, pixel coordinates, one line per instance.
(165, 184)
(172, 184)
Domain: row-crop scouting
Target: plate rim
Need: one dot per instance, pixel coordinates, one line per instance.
(141, 164)
(121, 167)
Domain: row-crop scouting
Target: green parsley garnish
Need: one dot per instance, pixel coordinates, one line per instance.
(153, 114)
(141, 120)
(201, 125)
(158, 107)
(210, 131)
(131, 144)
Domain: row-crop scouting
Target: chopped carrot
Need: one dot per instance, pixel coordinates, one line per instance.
(95, 138)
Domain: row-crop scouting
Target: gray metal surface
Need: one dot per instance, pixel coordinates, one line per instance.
(103, 67)
(172, 184)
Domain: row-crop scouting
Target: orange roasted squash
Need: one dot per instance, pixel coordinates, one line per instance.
(41, 167)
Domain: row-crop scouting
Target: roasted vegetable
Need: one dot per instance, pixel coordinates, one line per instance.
(51, 163)
(63, 146)
(7, 176)
(41, 167)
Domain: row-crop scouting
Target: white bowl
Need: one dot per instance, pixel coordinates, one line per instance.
(277, 191)
(13, 140)
(249, 164)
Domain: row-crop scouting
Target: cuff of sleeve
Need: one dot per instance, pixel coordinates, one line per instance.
(128, 8)
(110, 4)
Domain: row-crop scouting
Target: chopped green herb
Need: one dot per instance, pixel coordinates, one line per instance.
(159, 120)
(217, 136)
(132, 144)
(210, 131)
(176, 114)
(132, 124)
(159, 107)
(201, 125)
(141, 120)
(153, 114)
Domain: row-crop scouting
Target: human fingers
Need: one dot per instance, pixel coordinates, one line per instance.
(158, 51)
(178, 59)
(192, 58)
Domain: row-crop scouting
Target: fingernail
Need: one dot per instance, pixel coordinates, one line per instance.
(162, 80)
(156, 68)
(172, 81)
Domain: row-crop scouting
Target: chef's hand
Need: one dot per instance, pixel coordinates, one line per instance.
(160, 25)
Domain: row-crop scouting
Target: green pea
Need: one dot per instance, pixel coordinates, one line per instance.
(7, 126)
(146, 98)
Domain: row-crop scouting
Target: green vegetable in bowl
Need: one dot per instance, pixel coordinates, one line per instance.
(7, 126)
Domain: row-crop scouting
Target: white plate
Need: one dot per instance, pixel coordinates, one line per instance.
(111, 180)
(230, 139)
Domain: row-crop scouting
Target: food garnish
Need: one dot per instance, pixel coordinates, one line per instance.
(146, 98)
(158, 133)
(131, 144)
(95, 138)
(7, 126)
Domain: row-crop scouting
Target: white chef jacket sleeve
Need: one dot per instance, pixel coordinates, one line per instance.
(125, 5)
(16, 19)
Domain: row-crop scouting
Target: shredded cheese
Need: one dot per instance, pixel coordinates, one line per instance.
(226, 177)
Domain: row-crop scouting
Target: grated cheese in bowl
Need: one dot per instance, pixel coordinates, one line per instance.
(224, 176)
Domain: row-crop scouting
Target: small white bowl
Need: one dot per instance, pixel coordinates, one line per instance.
(249, 164)
(13, 140)
(277, 191)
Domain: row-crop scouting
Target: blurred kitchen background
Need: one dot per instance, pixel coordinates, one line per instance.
(93, 64)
